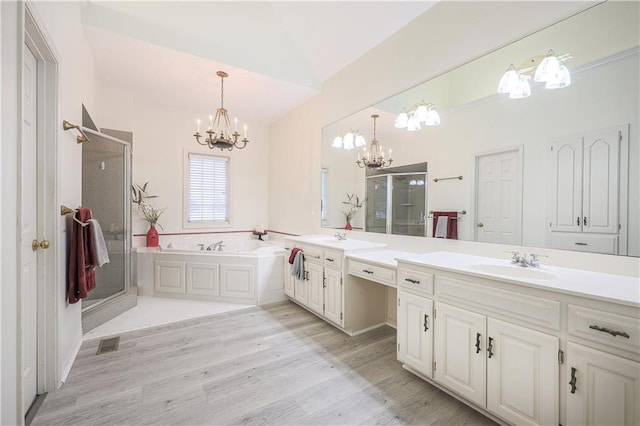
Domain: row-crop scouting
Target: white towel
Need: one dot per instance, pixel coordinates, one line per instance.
(101, 248)
(441, 227)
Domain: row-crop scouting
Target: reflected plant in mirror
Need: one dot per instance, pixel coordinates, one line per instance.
(354, 204)
(554, 168)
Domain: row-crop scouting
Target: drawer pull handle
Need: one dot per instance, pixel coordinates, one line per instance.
(367, 271)
(581, 244)
(578, 220)
(573, 380)
(614, 333)
(490, 347)
(315, 256)
(584, 221)
(328, 259)
(477, 343)
(412, 281)
(426, 326)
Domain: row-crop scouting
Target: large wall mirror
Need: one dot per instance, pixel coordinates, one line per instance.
(557, 169)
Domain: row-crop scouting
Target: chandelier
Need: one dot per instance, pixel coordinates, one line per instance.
(423, 113)
(219, 130)
(374, 159)
(548, 69)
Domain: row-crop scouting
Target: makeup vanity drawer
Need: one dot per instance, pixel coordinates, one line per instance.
(605, 327)
(420, 282)
(379, 274)
(333, 259)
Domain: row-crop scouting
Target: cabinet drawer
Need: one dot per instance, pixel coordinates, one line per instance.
(379, 274)
(592, 243)
(420, 282)
(604, 327)
(312, 254)
(501, 303)
(333, 259)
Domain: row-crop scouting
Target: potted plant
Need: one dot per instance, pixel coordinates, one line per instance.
(355, 204)
(149, 212)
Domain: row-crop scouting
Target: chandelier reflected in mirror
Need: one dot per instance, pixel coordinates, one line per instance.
(374, 159)
(219, 133)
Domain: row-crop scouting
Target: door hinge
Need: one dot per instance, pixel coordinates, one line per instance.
(340, 281)
(560, 356)
(340, 315)
(619, 226)
(398, 347)
(323, 306)
(619, 136)
(398, 301)
(435, 313)
(434, 366)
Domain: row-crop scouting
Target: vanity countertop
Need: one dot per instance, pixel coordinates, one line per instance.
(601, 286)
(381, 257)
(329, 241)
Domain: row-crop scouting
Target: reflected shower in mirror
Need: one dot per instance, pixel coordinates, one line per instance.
(541, 161)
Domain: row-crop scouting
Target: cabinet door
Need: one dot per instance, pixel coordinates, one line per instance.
(522, 374)
(315, 285)
(202, 278)
(301, 290)
(460, 351)
(600, 181)
(170, 276)
(333, 295)
(565, 190)
(237, 281)
(606, 388)
(415, 338)
(289, 280)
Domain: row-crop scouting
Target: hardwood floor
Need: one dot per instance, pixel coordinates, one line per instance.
(262, 365)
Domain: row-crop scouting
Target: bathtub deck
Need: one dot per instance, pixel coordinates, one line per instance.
(277, 364)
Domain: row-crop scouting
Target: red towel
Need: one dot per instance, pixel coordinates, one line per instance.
(294, 251)
(82, 258)
(452, 224)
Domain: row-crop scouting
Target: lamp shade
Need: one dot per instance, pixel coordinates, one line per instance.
(548, 68)
(337, 142)
(347, 140)
(561, 79)
(401, 120)
(413, 124)
(360, 141)
(522, 91)
(421, 113)
(433, 118)
(509, 80)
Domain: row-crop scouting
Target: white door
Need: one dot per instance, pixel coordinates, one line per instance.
(315, 284)
(601, 174)
(333, 295)
(566, 185)
(415, 332)
(460, 343)
(601, 389)
(28, 232)
(499, 197)
(522, 374)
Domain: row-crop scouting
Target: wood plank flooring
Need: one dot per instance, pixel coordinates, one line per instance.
(275, 365)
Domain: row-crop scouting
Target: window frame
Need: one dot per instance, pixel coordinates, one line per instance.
(185, 190)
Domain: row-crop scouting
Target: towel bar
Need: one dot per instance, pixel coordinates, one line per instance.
(64, 210)
(460, 214)
(68, 126)
(447, 178)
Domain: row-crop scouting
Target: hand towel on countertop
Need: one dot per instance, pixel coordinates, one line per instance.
(82, 258)
(452, 224)
(102, 254)
(297, 270)
(441, 227)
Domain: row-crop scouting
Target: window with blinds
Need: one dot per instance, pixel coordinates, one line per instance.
(207, 189)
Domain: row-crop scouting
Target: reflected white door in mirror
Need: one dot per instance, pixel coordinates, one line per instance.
(588, 191)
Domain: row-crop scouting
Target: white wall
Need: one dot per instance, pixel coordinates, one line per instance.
(60, 23)
(406, 58)
(162, 135)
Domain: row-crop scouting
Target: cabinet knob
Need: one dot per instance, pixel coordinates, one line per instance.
(480, 224)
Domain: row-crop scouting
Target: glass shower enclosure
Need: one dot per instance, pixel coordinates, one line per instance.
(397, 204)
(106, 181)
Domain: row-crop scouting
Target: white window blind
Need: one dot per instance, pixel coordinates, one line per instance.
(208, 189)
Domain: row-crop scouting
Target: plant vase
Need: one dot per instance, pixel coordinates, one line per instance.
(153, 239)
(348, 225)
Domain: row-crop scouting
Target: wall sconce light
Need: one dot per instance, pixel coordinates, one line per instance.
(350, 140)
(548, 69)
(422, 113)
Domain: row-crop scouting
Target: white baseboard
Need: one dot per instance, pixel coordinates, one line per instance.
(66, 367)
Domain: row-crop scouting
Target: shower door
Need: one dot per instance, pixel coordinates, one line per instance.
(106, 171)
(377, 205)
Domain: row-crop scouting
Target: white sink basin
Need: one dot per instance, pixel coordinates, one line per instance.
(513, 271)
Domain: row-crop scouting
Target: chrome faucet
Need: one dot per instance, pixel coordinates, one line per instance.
(216, 246)
(341, 236)
(525, 260)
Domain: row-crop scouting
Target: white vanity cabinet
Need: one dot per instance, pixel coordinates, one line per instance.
(545, 346)
(415, 331)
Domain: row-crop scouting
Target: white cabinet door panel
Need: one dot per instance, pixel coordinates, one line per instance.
(566, 185)
(333, 295)
(237, 281)
(314, 277)
(202, 278)
(415, 338)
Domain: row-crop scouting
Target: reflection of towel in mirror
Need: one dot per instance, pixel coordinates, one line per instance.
(102, 255)
(297, 270)
(441, 227)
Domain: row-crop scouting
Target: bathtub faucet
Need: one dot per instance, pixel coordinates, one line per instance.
(216, 246)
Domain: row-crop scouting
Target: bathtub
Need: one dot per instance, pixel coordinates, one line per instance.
(247, 272)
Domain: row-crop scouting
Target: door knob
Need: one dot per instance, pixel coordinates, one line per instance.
(480, 224)
(44, 244)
